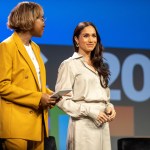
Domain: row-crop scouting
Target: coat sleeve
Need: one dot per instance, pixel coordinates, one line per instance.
(109, 104)
(9, 91)
(48, 91)
(65, 80)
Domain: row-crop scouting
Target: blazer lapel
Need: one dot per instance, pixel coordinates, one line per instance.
(25, 55)
(41, 65)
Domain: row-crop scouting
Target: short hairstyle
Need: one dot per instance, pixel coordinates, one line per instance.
(23, 16)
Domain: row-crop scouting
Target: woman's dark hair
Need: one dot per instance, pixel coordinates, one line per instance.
(96, 54)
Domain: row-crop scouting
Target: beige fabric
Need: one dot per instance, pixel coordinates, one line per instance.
(83, 105)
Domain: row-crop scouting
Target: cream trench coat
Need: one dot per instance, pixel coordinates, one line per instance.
(83, 105)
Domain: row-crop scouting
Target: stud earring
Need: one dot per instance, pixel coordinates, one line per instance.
(77, 45)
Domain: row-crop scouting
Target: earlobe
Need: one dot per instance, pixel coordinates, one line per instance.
(76, 40)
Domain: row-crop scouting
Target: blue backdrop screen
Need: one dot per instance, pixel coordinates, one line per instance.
(123, 24)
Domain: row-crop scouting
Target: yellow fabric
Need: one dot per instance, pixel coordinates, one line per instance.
(20, 144)
(15, 144)
(19, 91)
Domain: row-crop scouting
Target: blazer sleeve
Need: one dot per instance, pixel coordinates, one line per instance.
(65, 80)
(9, 91)
(48, 91)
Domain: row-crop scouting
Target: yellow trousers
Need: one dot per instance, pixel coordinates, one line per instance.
(20, 144)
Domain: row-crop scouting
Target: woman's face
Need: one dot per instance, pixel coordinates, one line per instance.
(38, 28)
(87, 40)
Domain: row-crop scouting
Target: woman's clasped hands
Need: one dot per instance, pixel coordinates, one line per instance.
(107, 116)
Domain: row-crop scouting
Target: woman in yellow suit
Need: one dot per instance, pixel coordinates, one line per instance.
(24, 98)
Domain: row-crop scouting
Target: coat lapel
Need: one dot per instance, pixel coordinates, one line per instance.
(25, 55)
(41, 65)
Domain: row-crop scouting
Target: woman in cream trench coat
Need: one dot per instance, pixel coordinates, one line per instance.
(88, 104)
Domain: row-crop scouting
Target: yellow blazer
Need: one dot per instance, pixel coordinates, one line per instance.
(20, 92)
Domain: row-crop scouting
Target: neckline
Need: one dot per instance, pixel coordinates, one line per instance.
(89, 66)
(27, 45)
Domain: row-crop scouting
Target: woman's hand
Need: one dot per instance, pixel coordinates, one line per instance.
(46, 101)
(111, 113)
(103, 117)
